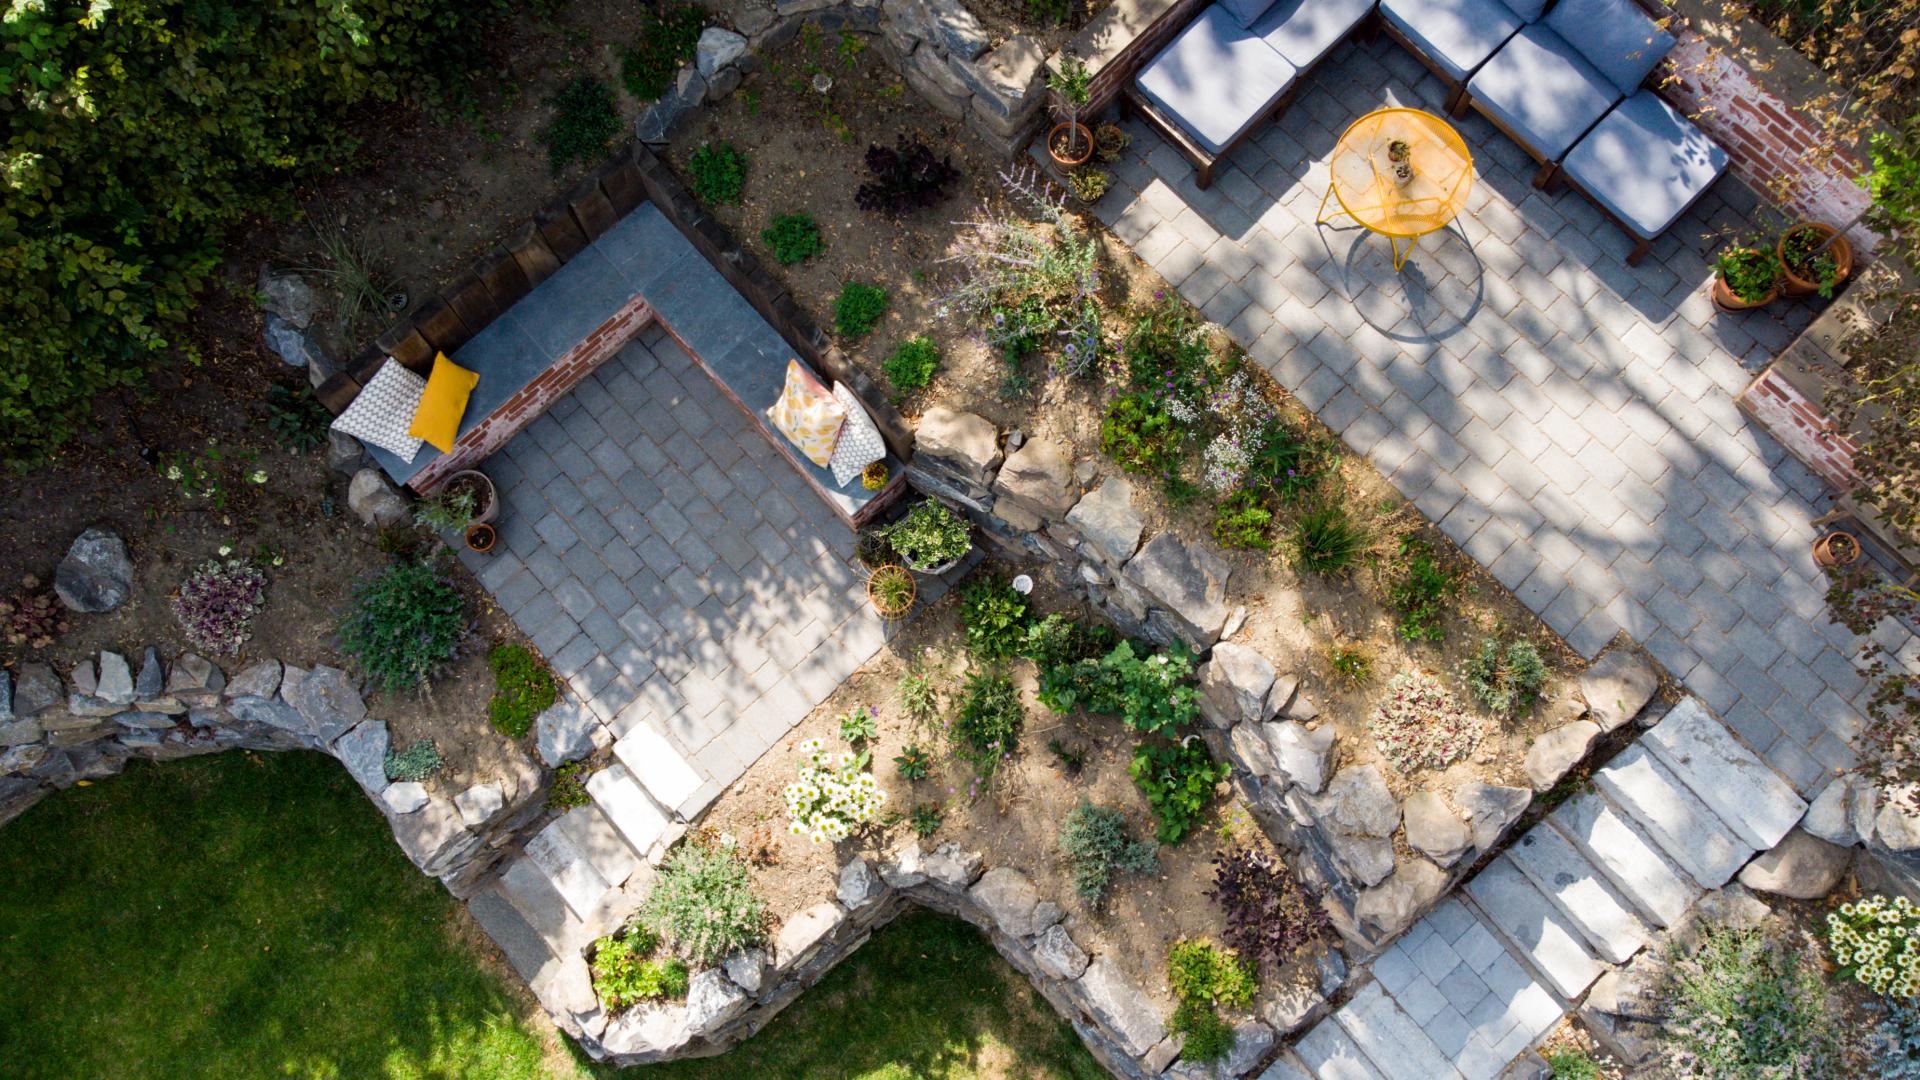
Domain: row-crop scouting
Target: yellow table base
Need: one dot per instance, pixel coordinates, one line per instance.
(1399, 257)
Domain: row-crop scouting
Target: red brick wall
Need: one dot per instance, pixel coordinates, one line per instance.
(537, 396)
(1772, 146)
(1802, 428)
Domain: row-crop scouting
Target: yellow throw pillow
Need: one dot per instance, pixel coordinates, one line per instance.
(437, 420)
(808, 415)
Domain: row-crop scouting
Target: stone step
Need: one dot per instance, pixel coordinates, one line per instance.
(638, 817)
(1690, 833)
(1391, 1039)
(1750, 797)
(526, 950)
(1581, 892)
(666, 775)
(1286, 1067)
(1534, 926)
(1331, 1054)
(573, 876)
(1632, 862)
(532, 894)
(596, 838)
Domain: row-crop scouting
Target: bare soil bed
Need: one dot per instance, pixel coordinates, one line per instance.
(1013, 820)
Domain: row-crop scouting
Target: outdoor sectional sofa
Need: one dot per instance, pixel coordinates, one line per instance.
(1564, 82)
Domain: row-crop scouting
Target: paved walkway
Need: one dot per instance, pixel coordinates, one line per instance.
(675, 570)
(1566, 419)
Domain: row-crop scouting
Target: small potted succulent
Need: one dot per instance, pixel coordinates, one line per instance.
(1110, 140)
(1837, 548)
(1813, 258)
(1745, 277)
(1399, 150)
(874, 476)
(1070, 143)
(930, 538)
(891, 589)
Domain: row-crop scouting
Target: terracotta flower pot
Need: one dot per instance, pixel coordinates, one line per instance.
(481, 537)
(896, 609)
(1841, 251)
(486, 501)
(1058, 144)
(1837, 548)
(1724, 299)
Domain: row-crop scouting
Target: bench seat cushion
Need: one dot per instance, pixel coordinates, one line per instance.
(1619, 39)
(1645, 163)
(1458, 35)
(1543, 90)
(1303, 31)
(1216, 79)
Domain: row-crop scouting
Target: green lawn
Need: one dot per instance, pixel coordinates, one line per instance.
(249, 916)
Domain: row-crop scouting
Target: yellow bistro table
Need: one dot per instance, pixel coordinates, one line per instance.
(1400, 172)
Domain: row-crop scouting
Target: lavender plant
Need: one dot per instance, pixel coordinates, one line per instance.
(217, 603)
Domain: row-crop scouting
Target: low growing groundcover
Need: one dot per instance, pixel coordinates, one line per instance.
(248, 915)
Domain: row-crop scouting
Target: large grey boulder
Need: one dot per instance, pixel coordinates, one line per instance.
(326, 697)
(965, 442)
(434, 837)
(1106, 518)
(1433, 829)
(96, 574)
(1617, 687)
(802, 933)
(1038, 478)
(344, 452)
(37, 689)
(649, 1028)
(1801, 866)
(1120, 1005)
(194, 680)
(564, 732)
(1829, 816)
(151, 682)
(364, 752)
(1391, 905)
(1897, 824)
(289, 342)
(1302, 755)
(747, 968)
(1058, 955)
(657, 120)
(1553, 754)
(1009, 897)
(1234, 684)
(905, 868)
(1358, 802)
(479, 804)
(289, 297)
(858, 885)
(260, 679)
(951, 868)
(955, 29)
(116, 680)
(273, 713)
(404, 797)
(1251, 1041)
(712, 1000)
(1189, 579)
(374, 500)
(1490, 808)
(716, 49)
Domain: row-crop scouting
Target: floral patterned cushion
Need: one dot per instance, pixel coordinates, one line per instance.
(808, 415)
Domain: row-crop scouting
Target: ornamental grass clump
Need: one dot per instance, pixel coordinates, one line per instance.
(1422, 726)
(702, 904)
(217, 603)
(1876, 940)
(834, 795)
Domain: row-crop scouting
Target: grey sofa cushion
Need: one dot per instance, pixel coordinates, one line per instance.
(1543, 90)
(1246, 12)
(1645, 163)
(1620, 40)
(1216, 79)
(1303, 31)
(1528, 10)
(1458, 35)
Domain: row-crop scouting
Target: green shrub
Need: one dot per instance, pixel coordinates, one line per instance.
(1572, 1065)
(523, 688)
(625, 971)
(1098, 846)
(717, 173)
(1059, 640)
(995, 617)
(667, 40)
(1178, 780)
(1139, 437)
(926, 820)
(1506, 681)
(1895, 1042)
(1207, 1036)
(1423, 592)
(858, 309)
(1327, 541)
(569, 786)
(986, 721)
(1289, 466)
(296, 419)
(584, 122)
(920, 695)
(858, 725)
(793, 238)
(702, 904)
(1204, 977)
(1240, 521)
(929, 535)
(912, 364)
(402, 625)
(1744, 1005)
(914, 762)
(141, 131)
(415, 763)
(1151, 693)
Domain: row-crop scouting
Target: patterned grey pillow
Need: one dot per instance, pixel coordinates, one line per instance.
(860, 444)
(383, 412)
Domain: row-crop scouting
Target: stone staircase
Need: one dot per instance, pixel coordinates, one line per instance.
(1491, 971)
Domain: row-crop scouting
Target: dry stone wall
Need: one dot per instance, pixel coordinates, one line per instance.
(56, 731)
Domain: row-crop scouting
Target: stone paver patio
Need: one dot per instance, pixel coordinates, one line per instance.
(674, 568)
(1567, 419)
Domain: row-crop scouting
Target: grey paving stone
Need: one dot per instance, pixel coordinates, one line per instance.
(1729, 778)
(1581, 893)
(1685, 829)
(1533, 924)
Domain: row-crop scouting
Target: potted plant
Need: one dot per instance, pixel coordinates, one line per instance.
(1837, 548)
(481, 537)
(1745, 277)
(448, 510)
(1070, 143)
(1089, 183)
(486, 503)
(1399, 150)
(874, 476)
(1110, 140)
(892, 590)
(1814, 258)
(930, 538)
